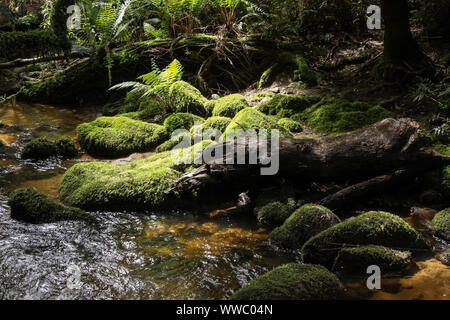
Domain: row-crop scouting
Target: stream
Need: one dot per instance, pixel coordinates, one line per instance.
(139, 255)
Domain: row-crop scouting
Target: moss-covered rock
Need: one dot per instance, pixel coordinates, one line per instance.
(305, 222)
(293, 281)
(32, 206)
(138, 184)
(119, 136)
(230, 105)
(208, 128)
(333, 115)
(290, 125)
(446, 180)
(185, 98)
(181, 121)
(276, 212)
(250, 118)
(357, 259)
(374, 227)
(285, 106)
(209, 107)
(43, 148)
(441, 224)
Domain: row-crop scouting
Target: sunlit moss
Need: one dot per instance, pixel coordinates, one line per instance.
(229, 106)
(185, 98)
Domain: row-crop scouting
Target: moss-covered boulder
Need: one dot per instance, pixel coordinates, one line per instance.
(446, 180)
(43, 148)
(185, 98)
(32, 206)
(250, 118)
(230, 105)
(138, 184)
(210, 127)
(441, 224)
(293, 281)
(374, 227)
(148, 109)
(119, 136)
(181, 121)
(357, 259)
(334, 116)
(305, 222)
(209, 107)
(285, 106)
(290, 125)
(276, 212)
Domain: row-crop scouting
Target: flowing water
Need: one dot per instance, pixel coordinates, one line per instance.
(138, 255)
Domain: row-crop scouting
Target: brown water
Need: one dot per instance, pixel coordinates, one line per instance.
(140, 255)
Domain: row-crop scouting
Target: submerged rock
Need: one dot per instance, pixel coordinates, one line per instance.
(185, 98)
(32, 206)
(441, 224)
(357, 259)
(43, 148)
(119, 136)
(293, 281)
(229, 106)
(305, 222)
(374, 227)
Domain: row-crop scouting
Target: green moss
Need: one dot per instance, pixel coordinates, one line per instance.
(185, 98)
(374, 227)
(32, 206)
(333, 115)
(218, 123)
(138, 184)
(230, 105)
(209, 107)
(285, 106)
(250, 118)
(305, 222)
(171, 143)
(275, 213)
(149, 110)
(119, 136)
(446, 179)
(27, 44)
(293, 65)
(181, 121)
(441, 224)
(359, 258)
(43, 148)
(293, 281)
(132, 101)
(290, 125)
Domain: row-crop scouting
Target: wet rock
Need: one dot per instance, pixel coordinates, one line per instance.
(357, 259)
(441, 224)
(305, 222)
(43, 148)
(30, 205)
(444, 257)
(293, 281)
(374, 227)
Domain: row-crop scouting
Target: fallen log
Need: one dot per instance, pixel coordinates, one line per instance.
(374, 150)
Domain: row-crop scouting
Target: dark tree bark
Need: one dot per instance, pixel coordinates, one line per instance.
(399, 45)
(382, 147)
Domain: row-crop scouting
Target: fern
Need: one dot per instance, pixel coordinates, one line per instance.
(156, 82)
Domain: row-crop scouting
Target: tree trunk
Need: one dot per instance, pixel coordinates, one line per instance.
(399, 45)
(353, 157)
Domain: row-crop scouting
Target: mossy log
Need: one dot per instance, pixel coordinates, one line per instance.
(368, 152)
